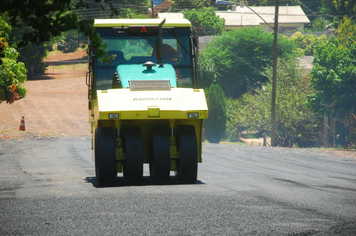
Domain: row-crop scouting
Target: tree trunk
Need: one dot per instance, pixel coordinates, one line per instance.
(325, 142)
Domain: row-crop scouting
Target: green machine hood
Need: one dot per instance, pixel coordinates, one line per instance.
(147, 71)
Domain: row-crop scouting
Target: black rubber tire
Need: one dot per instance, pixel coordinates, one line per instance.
(133, 165)
(105, 156)
(160, 163)
(187, 164)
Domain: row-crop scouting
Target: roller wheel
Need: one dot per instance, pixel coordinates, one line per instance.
(133, 165)
(187, 164)
(160, 155)
(105, 156)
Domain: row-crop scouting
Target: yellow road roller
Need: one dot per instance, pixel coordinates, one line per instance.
(145, 106)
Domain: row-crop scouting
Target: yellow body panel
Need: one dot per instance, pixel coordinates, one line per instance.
(137, 105)
(148, 108)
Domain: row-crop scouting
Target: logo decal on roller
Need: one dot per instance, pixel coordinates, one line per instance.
(153, 99)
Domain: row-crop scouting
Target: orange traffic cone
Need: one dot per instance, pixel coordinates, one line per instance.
(22, 125)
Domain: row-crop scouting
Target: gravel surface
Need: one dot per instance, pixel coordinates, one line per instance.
(47, 187)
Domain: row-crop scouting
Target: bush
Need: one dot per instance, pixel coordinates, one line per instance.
(215, 125)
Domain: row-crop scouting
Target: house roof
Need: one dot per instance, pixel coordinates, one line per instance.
(238, 19)
(306, 62)
(286, 14)
(249, 16)
(164, 6)
(224, 2)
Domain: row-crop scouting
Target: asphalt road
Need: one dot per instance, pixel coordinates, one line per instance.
(47, 187)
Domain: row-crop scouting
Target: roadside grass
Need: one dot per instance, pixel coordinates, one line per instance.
(58, 52)
(68, 68)
(227, 142)
(351, 149)
(54, 53)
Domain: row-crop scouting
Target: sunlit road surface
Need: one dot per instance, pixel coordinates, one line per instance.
(47, 187)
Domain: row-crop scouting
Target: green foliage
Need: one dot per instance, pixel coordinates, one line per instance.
(333, 74)
(320, 24)
(293, 117)
(249, 111)
(328, 7)
(30, 54)
(5, 28)
(210, 23)
(43, 20)
(345, 6)
(333, 77)
(215, 125)
(131, 13)
(69, 41)
(138, 47)
(308, 42)
(346, 32)
(12, 74)
(239, 56)
(309, 7)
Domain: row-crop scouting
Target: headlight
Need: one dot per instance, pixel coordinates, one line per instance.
(113, 116)
(193, 115)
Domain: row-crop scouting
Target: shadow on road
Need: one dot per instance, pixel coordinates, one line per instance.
(173, 180)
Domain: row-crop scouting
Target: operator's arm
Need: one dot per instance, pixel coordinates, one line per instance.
(169, 53)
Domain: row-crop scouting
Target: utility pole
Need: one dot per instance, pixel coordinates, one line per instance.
(274, 84)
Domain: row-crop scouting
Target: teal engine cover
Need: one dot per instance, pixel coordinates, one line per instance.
(139, 72)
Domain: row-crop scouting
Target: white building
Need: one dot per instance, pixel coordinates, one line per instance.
(289, 17)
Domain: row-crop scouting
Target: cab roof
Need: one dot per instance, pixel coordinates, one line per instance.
(145, 22)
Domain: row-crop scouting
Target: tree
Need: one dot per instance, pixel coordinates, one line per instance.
(43, 20)
(307, 42)
(333, 73)
(30, 54)
(238, 58)
(210, 23)
(293, 118)
(215, 125)
(320, 24)
(346, 32)
(333, 78)
(328, 7)
(50, 18)
(46, 19)
(12, 73)
(345, 6)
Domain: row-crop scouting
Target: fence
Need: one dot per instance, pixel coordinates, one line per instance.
(67, 67)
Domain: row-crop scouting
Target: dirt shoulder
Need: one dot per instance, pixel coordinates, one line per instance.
(341, 153)
(55, 104)
(350, 154)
